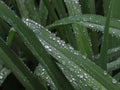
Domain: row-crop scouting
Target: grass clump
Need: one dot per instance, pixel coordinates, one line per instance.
(59, 45)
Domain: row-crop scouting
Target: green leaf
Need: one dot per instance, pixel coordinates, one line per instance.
(95, 22)
(103, 51)
(19, 69)
(22, 8)
(113, 65)
(81, 33)
(10, 36)
(43, 13)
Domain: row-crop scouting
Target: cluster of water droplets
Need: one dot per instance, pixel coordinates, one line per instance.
(32, 24)
(114, 81)
(61, 44)
(82, 77)
(115, 32)
(40, 71)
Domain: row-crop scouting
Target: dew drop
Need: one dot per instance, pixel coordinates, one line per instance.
(86, 85)
(84, 57)
(105, 72)
(114, 81)
(59, 56)
(1, 76)
(85, 75)
(81, 76)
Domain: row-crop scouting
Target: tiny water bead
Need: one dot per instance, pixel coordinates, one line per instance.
(1, 76)
(59, 56)
(48, 48)
(114, 81)
(84, 57)
(105, 72)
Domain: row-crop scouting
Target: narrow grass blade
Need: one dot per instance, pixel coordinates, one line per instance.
(115, 8)
(113, 42)
(112, 54)
(71, 76)
(94, 22)
(113, 65)
(75, 78)
(103, 51)
(31, 8)
(28, 10)
(10, 36)
(59, 5)
(81, 34)
(41, 72)
(22, 8)
(19, 69)
(66, 32)
(35, 46)
(50, 9)
(88, 6)
(43, 13)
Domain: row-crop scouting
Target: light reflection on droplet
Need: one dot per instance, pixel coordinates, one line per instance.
(114, 81)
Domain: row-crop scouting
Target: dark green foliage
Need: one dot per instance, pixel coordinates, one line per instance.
(59, 45)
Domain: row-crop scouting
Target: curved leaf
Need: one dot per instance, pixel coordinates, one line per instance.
(95, 22)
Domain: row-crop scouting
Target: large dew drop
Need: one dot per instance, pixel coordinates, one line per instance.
(1, 76)
(114, 81)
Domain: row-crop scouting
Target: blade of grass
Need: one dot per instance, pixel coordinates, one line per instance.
(112, 54)
(54, 17)
(113, 65)
(94, 22)
(43, 13)
(10, 36)
(31, 8)
(81, 34)
(35, 46)
(103, 51)
(70, 75)
(94, 35)
(114, 42)
(19, 69)
(115, 8)
(50, 10)
(66, 32)
(74, 78)
(88, 6)
(60, 8)
(22, 8)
